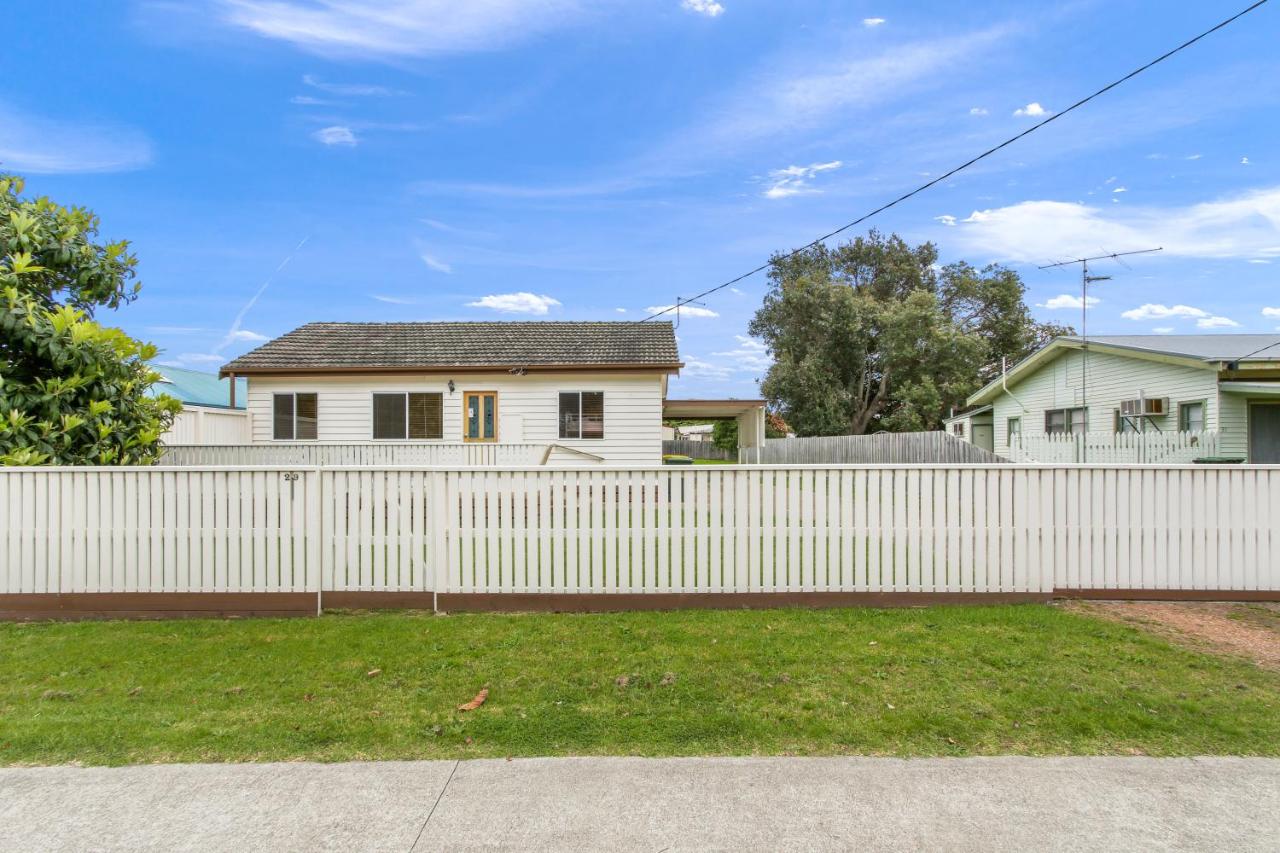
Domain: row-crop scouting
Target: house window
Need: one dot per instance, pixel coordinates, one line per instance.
(1014, 426)
(582, 414)
(1062, 421)
(1191, 417)
(400, 416)
(958, 428)
(1126, 425)
(293, 417)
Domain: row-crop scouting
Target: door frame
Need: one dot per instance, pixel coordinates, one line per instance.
(480, 394)
(1248, 425)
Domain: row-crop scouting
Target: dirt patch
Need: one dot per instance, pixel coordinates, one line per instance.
(1249, 630)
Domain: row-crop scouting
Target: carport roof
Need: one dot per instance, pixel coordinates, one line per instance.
(708, 408)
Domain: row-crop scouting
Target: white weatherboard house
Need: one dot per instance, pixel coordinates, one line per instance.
(477, 392)
(1134, 398)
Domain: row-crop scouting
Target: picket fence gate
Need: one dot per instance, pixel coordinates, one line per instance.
(901, 530)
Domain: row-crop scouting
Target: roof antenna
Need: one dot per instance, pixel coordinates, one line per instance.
(1085, 281)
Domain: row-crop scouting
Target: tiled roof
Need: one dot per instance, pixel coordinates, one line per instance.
(351, 346)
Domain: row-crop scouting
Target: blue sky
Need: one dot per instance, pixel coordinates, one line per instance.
(511, 159)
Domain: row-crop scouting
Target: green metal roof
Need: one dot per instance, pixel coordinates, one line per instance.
(198, 389)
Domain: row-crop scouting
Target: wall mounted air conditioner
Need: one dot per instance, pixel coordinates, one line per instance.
(1145, 407)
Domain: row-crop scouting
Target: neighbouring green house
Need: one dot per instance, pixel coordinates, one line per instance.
(1134, 398)
(211, 412)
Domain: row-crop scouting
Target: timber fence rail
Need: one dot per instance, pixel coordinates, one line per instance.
(133, 541)
(698, 450)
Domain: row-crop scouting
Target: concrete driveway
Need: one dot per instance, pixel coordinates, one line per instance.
(651, 804)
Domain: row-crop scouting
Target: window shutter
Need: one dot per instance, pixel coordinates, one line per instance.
(282, 417)
(426, 416)
(593, 414)
(388, 416)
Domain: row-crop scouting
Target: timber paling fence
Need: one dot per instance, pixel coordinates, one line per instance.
(154, 540)
(698, 450)
(886, 448)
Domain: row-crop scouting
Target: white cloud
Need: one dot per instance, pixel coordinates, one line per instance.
(1163, 330)
(872, 22)
(349, 90)
(38, 146)
(246, 335)
(1244, 161)
(796, 180)
(309, 101)
(1151, 311)
(516, 303)
(685, 311)
(1194, 156)
(1120, 190)
(398, 28)
(946, 219)
(1066, 300)
(809, 89)
(1271, 312)
(620, 310)
(697, 368)
(200, 358)
(336, 135)
(1259, 261)
(393, 300)
(1032, 109)
(435, 263)
(979, 111)
(1215, 323)
(1242, 226)
(710, 8)
(749, 355)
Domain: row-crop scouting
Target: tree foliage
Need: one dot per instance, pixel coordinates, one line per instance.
(72, 392)
(872, 335)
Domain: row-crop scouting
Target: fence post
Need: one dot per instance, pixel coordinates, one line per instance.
(439, 490)
(315, 533)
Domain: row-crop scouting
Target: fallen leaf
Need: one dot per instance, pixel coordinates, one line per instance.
(373, 673)
(475, 703)
(622, 680)
(135, 691)
(668, 680)
(235, 691)
(873, 643)
(889, 705)
(56, 694)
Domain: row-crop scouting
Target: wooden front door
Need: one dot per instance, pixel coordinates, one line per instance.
(479, 415)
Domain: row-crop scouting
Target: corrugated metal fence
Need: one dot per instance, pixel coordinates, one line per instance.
(718, 529)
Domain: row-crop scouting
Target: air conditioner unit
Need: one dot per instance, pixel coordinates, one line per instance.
(1145, 407)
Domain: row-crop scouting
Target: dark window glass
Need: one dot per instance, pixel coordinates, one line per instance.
(426, 416)
(593, 414)
(282, 417)
(570, 415)
(1058, 421)
(388, 416)
(307, 417)
(1191, 417)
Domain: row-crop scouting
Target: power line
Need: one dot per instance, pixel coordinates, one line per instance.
(966, 164)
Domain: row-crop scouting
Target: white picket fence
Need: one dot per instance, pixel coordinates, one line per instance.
(986, 529)
(1107, 448)
(383, 453)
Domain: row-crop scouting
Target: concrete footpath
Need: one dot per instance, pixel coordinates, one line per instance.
(651, 804)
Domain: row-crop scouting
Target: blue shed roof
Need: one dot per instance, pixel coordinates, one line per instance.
(198, 389)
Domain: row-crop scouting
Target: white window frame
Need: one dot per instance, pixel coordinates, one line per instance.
(1204, 414)
(406, 439)
(580, 436)
(294, 430)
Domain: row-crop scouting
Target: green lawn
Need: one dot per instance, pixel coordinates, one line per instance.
(942, 681)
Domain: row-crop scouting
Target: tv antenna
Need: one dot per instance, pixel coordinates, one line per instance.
(1085, 281)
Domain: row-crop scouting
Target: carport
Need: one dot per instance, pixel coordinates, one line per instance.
(748, 413)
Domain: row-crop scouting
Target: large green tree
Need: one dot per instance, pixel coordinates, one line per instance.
(872, 335)
(72, 391)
